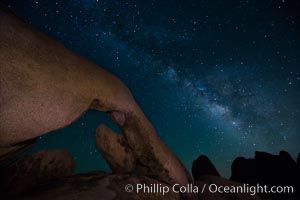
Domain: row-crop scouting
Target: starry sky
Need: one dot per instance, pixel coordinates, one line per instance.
(219, 78)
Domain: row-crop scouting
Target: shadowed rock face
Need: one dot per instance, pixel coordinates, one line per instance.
(8, 154)
(203, 166)
(48, 175)
(34, 169)
(265, 168)
(270, 170)
(44, 87)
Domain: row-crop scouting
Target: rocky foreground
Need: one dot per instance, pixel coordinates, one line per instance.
(49, 175)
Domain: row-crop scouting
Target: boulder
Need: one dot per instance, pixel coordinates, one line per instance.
(203, 166)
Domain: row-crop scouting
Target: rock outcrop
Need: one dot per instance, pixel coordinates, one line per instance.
(45, 86)
(270, 170)
(34, 169)
(208, 180)
(49, 175)
(100, 186)
(203, 166)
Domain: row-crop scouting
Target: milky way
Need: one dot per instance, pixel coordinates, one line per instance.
(219, 78)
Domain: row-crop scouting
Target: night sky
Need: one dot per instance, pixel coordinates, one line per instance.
(219, 78)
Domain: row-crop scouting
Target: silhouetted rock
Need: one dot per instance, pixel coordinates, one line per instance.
(298, 160)
(203, 166)
(243, 169)
(267, 169)
(34, 169)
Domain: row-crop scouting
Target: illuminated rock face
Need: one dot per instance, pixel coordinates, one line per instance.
(45, 86)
